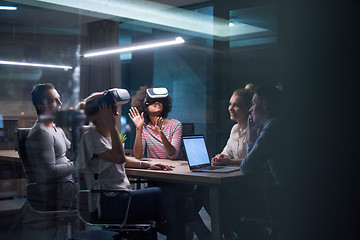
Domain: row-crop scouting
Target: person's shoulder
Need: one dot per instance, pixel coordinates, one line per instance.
(38, 132)
(273, 123)
(235, 127)
(59, 129)
(174, 121)
(274, 127)
(91, 133)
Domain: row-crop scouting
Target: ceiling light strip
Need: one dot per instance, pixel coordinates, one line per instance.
(34, 64)
(134, 47)
(9, 8)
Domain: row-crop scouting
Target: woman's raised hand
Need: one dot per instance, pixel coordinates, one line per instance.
(158, 126)
(136, 117)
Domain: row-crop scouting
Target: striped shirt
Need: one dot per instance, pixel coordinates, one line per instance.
(154, 146)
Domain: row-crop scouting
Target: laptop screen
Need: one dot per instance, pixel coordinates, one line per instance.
(196, 150)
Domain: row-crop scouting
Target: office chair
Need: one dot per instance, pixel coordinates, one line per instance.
(188, 129)
(277, 203)
(124, 229)
(44, 202)
(277, 206)
(129, 230)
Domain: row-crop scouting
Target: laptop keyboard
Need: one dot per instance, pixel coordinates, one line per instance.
(212, 168)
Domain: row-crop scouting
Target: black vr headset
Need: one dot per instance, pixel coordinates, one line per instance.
(117, 96)
(155, 95)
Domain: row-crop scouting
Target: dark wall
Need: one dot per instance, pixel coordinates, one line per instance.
(316, 61)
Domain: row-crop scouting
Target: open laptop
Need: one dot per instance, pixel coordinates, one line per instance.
(198, 157)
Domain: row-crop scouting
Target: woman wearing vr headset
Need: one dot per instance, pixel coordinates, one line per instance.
(160, 135)
(101, 159)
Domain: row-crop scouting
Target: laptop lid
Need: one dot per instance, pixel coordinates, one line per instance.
(196, 151)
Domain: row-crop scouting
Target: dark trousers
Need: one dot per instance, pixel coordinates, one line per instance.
(58, 196)
(146, 204)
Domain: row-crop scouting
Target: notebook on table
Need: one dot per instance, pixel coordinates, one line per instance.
(198, 157)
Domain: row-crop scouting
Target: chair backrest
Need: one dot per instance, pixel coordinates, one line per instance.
(22, 134)
(45, 200)
(83, 202)
(277, 201)
(188, 128)
(84, 195)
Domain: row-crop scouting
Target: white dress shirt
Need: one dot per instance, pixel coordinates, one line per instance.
(236, 145)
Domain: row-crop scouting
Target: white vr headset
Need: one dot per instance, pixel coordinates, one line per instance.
(117, 96)
(155, 95)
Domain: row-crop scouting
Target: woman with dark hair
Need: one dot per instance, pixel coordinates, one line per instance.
(160, 135)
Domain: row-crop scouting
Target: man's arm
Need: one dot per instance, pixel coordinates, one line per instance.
(260, 151)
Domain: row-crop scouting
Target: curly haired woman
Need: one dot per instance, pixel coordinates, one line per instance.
(160, 135)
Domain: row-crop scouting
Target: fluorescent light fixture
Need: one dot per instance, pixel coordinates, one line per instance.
(34, 64)
(134, 47)
(10, 8)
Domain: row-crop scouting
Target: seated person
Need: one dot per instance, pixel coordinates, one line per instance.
(46, 147)
(268, 145)
(235, 149)
(101, 153)
(265, 147)
(160, 135)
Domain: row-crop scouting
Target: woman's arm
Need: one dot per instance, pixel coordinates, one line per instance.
(171, 151)
(133, 163)
(222, 160)
(139, 124)
(116, 154)
(138, 148)
(172, 148)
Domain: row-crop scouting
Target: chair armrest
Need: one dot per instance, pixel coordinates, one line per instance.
(104, 190)
(139, 181)
(48, 183)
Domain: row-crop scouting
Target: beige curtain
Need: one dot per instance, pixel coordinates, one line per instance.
(102, 72)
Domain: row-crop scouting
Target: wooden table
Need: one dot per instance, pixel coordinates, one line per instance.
(13, 184)
(182, 174)
(9, 156)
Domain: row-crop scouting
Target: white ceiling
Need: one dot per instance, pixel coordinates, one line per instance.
(67, 15)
